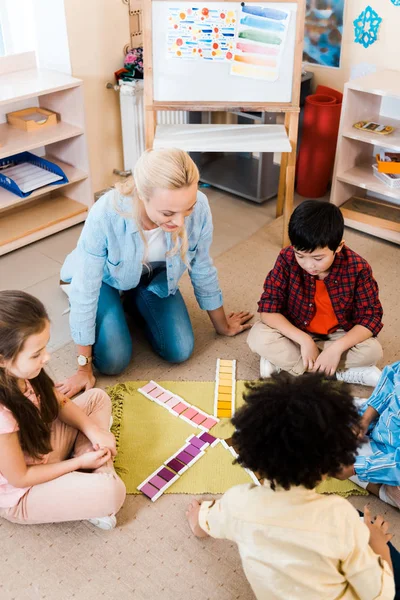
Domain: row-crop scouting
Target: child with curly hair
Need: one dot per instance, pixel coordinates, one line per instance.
(294, 542)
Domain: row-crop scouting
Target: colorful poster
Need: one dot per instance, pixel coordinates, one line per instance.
(323, 32)
(195, 33)
(260, 42)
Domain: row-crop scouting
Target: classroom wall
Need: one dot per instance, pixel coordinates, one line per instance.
(383, 53)
(97, 33)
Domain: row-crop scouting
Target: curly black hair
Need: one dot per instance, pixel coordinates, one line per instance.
(294, 430)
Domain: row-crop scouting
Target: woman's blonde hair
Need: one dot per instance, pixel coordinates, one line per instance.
(166, 169)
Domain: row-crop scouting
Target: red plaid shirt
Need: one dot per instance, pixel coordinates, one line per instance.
(353, 291)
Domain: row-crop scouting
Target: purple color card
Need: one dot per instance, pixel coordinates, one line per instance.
(155, 393)
(207, 437)
(148, 387)
(149, 490)
(199, 418)
(158, 482)
(209, 422)
(164, 397)
(195, 441)
(175, 465)
(192, 450)
(179, 408)
(166, 474)
(173, 402)
(184, 457)
(190, 413)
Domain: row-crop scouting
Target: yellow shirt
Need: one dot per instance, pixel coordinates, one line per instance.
(298, 544)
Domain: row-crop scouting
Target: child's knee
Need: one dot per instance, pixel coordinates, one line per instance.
(113, 493)
(370, 352)
(255, 337)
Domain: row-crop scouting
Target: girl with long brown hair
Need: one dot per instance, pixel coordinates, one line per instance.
(55, 454)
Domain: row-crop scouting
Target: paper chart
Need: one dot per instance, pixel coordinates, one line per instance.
(260, 42)
(201, 33)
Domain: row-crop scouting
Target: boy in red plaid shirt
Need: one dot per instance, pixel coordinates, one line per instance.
(320, 309)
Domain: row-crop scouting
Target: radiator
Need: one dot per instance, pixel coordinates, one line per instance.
(132, 120)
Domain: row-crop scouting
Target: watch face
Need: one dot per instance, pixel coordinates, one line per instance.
(82, 360)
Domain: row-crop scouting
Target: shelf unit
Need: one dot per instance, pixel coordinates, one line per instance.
(375, 97)
(56, 207)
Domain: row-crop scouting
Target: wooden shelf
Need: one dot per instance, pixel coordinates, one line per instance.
(223, 138)
(15, 140)
(36, 220)
(372, 212)
(45, 211)
(381, 83)
(31, 83)
(362, 177)
(390, 142)
(8, 199)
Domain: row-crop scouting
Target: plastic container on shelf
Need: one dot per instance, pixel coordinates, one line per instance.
(388, 179)
(7, 181)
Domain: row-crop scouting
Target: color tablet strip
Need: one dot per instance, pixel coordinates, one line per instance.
(197, 442)
(178, 407)
(225, 389)
(156, 484)
(183, 457)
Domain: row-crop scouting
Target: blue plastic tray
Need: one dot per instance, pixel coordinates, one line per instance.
(10, 185)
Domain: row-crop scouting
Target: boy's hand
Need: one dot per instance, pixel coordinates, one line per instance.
(309, 352)
(378, 535)
(192, 515)
(327, 362)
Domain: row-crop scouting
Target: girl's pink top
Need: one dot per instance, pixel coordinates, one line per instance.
(10, 495)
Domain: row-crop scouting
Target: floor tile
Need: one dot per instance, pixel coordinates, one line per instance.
(25, 267)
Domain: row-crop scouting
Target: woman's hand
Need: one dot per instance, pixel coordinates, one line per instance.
(237, 323)
(82, 381)
(94, 459)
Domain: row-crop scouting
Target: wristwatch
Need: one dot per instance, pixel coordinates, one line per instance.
(84, 360)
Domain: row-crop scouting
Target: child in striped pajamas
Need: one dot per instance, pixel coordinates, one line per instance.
(377, 466)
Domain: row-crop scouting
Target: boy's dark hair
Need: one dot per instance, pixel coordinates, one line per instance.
(294, 430)
(316, 224)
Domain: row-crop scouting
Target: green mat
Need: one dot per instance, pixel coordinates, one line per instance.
(147, 435)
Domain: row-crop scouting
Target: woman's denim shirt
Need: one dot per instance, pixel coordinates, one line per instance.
(111, 250)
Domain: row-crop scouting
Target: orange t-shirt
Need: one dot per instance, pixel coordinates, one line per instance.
(324, 320)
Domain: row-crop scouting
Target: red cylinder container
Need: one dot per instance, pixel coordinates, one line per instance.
(318, 144)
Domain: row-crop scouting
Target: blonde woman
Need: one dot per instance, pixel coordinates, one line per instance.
(139, 239)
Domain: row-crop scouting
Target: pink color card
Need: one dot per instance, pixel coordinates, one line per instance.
(156, 392)
(190, 413)
(179, 408)
(158, 482)
(173, 402)
(148, 387)
(199, 418)
(208, 423)
(164, 397)
(149, 490)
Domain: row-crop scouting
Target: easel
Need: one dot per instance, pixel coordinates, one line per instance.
(291, 109)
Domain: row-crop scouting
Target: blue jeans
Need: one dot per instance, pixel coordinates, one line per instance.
(166, 324)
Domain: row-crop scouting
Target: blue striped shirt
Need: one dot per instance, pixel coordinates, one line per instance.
(383, 466)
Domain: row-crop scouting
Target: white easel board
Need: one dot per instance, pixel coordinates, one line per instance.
(180, 80)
